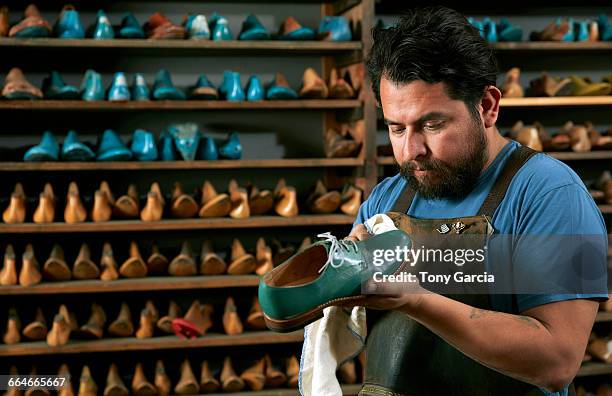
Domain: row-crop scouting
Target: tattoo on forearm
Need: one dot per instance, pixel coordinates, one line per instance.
(478, 313)
(527, 320)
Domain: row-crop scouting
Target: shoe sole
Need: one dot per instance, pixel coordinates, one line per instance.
(131, 33)
(298, 322)
(281, 94)
(66, 95)
(119, 155)
(31, 32)
(78, 154)
(256, 34)
(21, 95)
(168, 94)
(39, 158)
(299, 34)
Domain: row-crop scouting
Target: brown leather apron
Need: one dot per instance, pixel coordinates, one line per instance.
(404, 358)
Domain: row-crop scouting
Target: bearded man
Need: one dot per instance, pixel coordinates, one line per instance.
(434, 77)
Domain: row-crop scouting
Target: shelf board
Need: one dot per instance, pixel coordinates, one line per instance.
(385, 161)
(80, 105)
(148, 344)
(129, 285)
(606, 209)
(289, 48)
(558, 101)
(347, 390)
(183, 224)
(560, 155)
(593, 368)
(552, 46)
(603, 316)
(571, 156)
(165, 165)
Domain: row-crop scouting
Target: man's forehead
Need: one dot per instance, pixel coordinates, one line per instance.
(413, 90)
(412, 100)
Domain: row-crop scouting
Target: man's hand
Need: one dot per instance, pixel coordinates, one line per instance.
(358, 233)
(387, 303)
(403, 296)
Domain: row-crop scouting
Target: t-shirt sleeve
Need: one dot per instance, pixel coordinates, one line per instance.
(560, 244)
(364, 212)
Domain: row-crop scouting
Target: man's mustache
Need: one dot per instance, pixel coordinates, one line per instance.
(425, 165)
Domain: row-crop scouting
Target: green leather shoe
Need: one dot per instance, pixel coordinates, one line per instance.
(329, 272)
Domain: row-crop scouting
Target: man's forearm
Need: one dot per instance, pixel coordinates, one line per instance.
(518, 346)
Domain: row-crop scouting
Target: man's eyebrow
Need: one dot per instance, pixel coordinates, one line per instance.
(389, 122)
(434, 115)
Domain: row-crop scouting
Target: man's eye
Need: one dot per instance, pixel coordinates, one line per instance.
(433, 126)
(397, 131)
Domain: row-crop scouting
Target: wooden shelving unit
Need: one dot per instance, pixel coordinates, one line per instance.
(183, 224)
(181, 165)
(149, 344)
(330, 54)
(592, 368)
(150, 283)
(603, 317)
(333, 171)
(385, 161)
(80, 105)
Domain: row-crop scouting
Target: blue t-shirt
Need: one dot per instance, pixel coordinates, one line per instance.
(545, 197)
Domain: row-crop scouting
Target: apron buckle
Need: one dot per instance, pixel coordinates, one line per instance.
(443, 229)
(458, 226)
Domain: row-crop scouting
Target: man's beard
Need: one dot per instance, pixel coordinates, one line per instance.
(450, 179)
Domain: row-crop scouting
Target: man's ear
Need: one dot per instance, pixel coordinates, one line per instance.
(490, 105)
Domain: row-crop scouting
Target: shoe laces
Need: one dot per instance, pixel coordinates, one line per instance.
(336, 247)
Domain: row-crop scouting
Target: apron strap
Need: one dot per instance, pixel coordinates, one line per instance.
(404, 200)
(517, 159)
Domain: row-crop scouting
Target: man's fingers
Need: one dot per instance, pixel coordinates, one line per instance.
(381, 288)
(391, 287)
(358, 229)
(358, 233)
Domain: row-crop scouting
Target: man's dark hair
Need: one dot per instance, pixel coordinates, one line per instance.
(433, 44)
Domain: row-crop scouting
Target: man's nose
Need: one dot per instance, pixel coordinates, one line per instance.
(413, 146)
